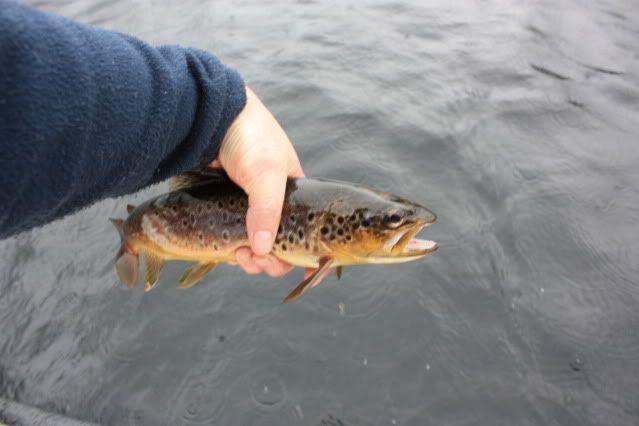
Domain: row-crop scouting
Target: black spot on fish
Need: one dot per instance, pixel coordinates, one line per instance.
(214, 246)
(284, 247)
(200, 236)
(185, 223)
(199, 209)
(330, 221)
(292, 218)
(211, 223)
(324, 230)
(174, 208)
(291, 238)
(241, 203)
(308, 246)
(340, 232)
(340, 220)
(355, 227)
(220, 204)
(225, 235)
(238, 220)
(332, 237)
(311, 216)
(225, 216)
(348, 238)
(231, 202)
(366, 223)
(353, 218)
(209, 206)
(279, 229)
(300, 234)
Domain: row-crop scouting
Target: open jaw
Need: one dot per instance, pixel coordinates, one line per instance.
(407, 246)
(404, 248)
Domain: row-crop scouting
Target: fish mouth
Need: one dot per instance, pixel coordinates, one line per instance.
(405, 245)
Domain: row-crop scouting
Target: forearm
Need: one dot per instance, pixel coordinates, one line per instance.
(87, 113)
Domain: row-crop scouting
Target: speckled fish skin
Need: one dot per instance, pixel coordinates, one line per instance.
(322, 220)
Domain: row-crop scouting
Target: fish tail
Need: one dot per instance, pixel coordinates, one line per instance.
(126, 261)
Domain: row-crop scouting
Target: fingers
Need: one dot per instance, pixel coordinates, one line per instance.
(253, 265)
(244, 260)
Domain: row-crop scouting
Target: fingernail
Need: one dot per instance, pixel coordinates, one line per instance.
(262, 241)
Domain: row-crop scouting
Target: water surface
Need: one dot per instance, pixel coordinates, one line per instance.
(513, 121)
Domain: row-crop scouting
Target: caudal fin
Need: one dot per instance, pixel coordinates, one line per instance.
(126, 263)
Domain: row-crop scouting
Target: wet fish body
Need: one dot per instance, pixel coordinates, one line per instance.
(325, 224)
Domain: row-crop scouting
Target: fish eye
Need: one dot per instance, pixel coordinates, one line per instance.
(392, 220)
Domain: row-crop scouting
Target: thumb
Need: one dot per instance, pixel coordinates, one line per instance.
(265, 191)
(258, 156)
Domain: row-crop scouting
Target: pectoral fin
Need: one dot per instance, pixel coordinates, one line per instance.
(194, 274)
(325, 264)
(152, 268)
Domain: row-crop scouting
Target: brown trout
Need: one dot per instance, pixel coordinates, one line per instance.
(325, 224)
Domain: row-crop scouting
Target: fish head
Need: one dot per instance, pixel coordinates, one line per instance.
(381, 228)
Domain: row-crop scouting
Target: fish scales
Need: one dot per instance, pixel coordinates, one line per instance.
(324, 224)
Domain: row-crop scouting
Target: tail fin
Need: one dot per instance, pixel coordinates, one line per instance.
(126, 262)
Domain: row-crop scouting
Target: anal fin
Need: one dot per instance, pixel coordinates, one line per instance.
(126, 264)
(194, 274)
(153, 265)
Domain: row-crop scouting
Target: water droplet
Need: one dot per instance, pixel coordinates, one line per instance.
(341, 308)
(394, 421)
(365, 361)
(427, 367)
(541, 290)
(191, 410)
(575, 365)
(268, 389)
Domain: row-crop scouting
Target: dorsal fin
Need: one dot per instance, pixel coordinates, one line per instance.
(195, 177)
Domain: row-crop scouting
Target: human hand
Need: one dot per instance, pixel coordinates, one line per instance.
(258, 156)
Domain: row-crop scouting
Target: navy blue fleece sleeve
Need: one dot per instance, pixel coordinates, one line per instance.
(87, 114)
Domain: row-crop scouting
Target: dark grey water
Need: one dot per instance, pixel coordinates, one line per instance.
(517, 122)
